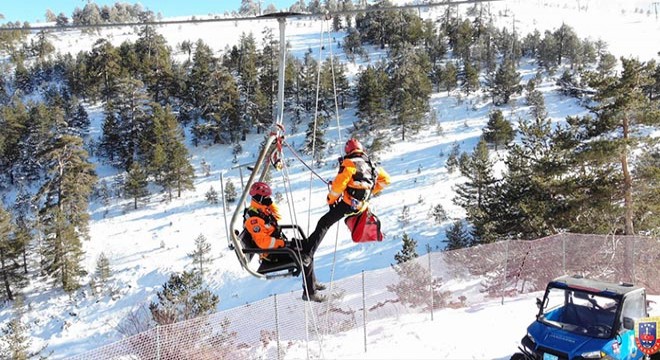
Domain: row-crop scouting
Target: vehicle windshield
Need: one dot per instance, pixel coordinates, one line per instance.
(580, 312)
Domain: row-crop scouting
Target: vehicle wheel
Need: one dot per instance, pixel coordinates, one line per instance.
(518, 356)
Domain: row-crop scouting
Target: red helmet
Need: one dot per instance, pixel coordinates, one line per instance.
(260, 188)
(353, 145)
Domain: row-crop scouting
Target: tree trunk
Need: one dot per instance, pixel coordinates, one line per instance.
(627, 182)
(5, 278)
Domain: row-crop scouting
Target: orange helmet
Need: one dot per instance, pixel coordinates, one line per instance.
(260, 188)
(353, 145)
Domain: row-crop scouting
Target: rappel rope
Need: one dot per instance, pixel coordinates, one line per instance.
(288, 190)
(297, 156)
(277, 161)
(309, 202)
(334, 253)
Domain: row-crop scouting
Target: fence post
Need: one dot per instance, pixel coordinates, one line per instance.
(506, 261)
(431, 284)
(563, 250)
(277, 327)
(364, 314)
(158, 342)
(224, 209)
(634, 241)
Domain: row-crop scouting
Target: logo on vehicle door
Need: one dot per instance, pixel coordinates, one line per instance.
(646, 335)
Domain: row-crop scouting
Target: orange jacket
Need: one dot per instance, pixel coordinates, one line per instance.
(261, 223)
(355, 177)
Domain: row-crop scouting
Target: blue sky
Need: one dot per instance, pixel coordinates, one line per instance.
(32, 10)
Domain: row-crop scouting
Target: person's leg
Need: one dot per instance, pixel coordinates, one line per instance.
(335, 214)
(309, 279)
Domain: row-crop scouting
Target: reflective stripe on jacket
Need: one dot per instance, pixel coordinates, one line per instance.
(261, 223)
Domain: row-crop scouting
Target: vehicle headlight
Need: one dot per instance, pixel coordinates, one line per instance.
(593, 355)
(531, 337)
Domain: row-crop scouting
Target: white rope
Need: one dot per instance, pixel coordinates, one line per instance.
(334, 253)
(311, 178)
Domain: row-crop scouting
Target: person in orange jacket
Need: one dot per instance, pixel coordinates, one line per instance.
(261, 221)
(357, 180)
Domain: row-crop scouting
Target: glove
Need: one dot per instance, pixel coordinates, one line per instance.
(331, 198)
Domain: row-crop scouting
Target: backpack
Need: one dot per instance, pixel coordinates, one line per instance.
(364, 227)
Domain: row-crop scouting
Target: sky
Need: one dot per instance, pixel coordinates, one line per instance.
(145, 246)
(35, 10)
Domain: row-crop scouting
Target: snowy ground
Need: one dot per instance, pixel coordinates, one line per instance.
(147, 245)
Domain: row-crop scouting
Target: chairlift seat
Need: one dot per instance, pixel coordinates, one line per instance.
(281, 260)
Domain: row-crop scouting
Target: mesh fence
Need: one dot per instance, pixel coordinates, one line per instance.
(268, 328)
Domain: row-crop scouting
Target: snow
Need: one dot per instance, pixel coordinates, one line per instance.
(146, 245)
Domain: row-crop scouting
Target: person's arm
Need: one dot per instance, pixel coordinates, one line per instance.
(346, 171)
(382, 180)
(262, 234)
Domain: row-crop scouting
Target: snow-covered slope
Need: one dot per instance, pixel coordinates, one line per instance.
(146, 245)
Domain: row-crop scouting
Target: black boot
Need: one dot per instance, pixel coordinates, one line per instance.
(314, 297)
(319, 286)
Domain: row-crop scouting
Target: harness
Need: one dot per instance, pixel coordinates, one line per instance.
(250, 212)
(360, 177)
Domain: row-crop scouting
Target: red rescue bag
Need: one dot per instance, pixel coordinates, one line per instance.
(364, 227)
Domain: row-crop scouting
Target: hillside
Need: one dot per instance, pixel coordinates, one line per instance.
(145, 246)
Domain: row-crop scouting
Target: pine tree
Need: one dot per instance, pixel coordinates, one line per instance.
(410, 90)
(103, 270)
(154, 62)
(462, 39)
(103, 66)
(202, 254)
(623, 111)
(470, 78)
(249, 8)
(506, 83)
(530, 195)
(131, 108)
(548, 52)
(198, 82)
(65, 196)
(449, 77)
(536, 101)
(17, 341)
(212, 196)
(135, 186)
(176, 172)
(372, 100)
(477, 192)
(8, 255)
(457, 236)
(353, 45)
(225, 124)
(307, 81)
(80, 120)
(253, 112)
(268, 71)
(498, 130)
(230, 192)
(408, 251)
(647, 191)
(111, 138)
(315, 138)
(14, 123)
(452, 159)
(183, 297)
(438, 214)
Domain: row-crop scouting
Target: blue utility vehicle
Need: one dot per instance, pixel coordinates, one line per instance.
(580, 318)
